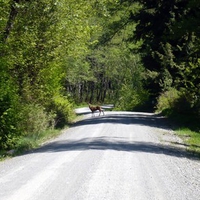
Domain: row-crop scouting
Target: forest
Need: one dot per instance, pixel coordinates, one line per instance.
(140, 55)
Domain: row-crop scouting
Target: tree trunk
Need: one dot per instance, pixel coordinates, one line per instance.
(11, 19)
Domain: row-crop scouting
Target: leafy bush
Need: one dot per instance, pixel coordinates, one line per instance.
(131, 99)
(167, 101)
(64, 110)
(8, 130)
(9, 111)
(174, 101)
(34, 120)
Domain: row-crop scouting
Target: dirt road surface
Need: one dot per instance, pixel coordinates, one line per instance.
(119, 156)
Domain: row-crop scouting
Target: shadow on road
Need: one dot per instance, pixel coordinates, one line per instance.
(118, 144)
(107, 143)
(144, 119)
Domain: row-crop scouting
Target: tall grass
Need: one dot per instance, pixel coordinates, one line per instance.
(30, 142)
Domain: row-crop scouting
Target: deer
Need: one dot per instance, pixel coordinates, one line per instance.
(94, 108)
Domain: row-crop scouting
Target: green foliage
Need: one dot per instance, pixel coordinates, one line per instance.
(131, 99)
(36, 37)
(94, 51)
(174, 101)
(191, 139)
(131, 94)
(167, 101)
(9, 109)
(34, 120)
(110, 63)
(64, 110)
(26, 143)
(29, 142)
(8, 130)
(169, 31)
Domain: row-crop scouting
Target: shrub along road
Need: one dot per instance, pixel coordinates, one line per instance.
(122, 155)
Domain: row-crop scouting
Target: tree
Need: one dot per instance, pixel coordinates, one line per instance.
(36, 37)
(112, 62)
(169, 30)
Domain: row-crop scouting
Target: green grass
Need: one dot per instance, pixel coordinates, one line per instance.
(191, 139)
(30, 142)
(188, 128)
(34, 141)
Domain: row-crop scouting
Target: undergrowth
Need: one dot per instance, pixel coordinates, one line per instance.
(34, 141)
(178, 108)
(191, 138)
(30, 142)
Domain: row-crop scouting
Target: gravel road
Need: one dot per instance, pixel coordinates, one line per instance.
(119, 156)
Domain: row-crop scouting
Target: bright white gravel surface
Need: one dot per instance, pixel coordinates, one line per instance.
(119, 156)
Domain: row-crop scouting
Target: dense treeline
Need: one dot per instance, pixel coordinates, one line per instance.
(37, 41)
(170, 33)
(114, 72)
(169, 50)
(55, 53)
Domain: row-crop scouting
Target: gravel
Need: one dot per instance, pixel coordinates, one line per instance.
(122, 155)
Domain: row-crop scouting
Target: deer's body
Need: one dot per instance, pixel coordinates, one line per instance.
(95, 108)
